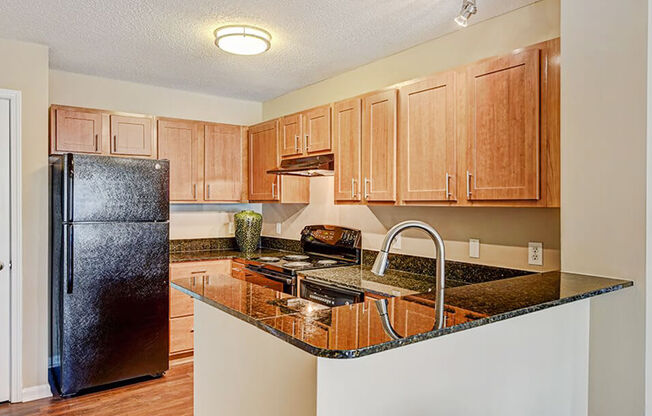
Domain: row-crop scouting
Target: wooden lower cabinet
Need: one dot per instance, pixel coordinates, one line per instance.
(182, 305)
(181, 334)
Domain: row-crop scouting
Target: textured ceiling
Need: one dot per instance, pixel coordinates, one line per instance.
(170, 42)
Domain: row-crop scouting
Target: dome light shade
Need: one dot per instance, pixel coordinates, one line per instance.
(242, 39)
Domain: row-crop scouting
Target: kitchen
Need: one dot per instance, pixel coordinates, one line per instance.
(201, 211)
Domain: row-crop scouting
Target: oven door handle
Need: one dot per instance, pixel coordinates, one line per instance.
(270, 275)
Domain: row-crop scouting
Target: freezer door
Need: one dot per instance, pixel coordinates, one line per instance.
(115, 304)
(102, 188)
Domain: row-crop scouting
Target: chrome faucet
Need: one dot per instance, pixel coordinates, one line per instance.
(382, 261)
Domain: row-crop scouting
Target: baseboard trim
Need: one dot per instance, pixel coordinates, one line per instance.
(36, 392)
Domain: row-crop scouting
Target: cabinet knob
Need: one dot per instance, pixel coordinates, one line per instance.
(2, 265)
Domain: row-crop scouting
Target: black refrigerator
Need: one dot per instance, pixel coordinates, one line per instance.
(109, 270)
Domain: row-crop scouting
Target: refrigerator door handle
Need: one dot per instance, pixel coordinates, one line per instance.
(69, 259)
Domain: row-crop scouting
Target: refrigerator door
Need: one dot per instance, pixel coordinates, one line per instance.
(115, 303)
(103, 188)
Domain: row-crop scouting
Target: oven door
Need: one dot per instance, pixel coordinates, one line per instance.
(329, 295)
(271, 279)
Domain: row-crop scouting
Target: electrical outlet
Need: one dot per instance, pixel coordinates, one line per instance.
(279, 230)
(398, 241)
(231, 227)
(535, 253)
(474, 248)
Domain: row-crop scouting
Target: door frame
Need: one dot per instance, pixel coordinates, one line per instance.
(16, 232)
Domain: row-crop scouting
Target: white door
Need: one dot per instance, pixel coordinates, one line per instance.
(5, 372)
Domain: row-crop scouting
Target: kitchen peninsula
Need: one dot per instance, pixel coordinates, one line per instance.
(290, 356)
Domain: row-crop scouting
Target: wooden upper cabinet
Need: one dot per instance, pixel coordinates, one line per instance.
(503, 132)
(379, 146)
(291, 143)
(132, 136)
(263, 157)
(317, 130)
(306, 133)
(427, 140)
(76, 130)
(223, 163)
(179, 143)
(347, 130)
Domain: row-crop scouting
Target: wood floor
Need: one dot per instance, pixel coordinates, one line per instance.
(170, 395)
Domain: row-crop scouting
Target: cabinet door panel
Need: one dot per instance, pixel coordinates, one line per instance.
(503, 147)
(222, 163)
(379, 146)
(263, 157)
(427, 139)
(347, 141)
(78, 131)
(181, 334)
(291, 140)
(317, 130)
(178, 142)
(131, 136)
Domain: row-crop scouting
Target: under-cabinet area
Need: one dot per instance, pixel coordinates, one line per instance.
(484, 134)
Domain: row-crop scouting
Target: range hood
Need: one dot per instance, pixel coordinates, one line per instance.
(322, 165)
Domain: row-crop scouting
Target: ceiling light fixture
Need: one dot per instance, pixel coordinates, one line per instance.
(242, 39)
(469, 8)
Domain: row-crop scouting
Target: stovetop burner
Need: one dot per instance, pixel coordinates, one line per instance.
(297, 264)
(269, 259)
(296, 257)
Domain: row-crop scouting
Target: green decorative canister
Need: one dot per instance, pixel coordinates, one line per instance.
(248, 226)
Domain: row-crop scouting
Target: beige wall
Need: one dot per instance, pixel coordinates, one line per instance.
(68, 88)
(186, 221)
(25, 68)
(603, 215)
(504, 232)
(502, 34)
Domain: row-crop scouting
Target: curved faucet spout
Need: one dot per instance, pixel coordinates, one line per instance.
(382, 262)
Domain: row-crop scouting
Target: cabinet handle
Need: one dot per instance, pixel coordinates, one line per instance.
(97, 141)
(115, 143)
(468, 184)
(366, 190)
(273, 190)
(448, 191)
(208, 191)
(296, 144)
(353, 181)
(198, 272)
(194, 191)
(307, 142)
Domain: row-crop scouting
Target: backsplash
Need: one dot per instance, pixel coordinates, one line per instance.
(455, 270)
(203, 244)
(426, 266)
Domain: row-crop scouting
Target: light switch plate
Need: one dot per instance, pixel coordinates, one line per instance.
(279, 230)
(535, 253)
(398, 242)
(474, 248)
(231, 227)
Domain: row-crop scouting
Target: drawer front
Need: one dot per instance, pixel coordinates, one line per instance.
(200, 268)
(181, 334)
(180, 304)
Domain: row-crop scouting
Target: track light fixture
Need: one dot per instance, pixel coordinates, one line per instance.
(469, 8)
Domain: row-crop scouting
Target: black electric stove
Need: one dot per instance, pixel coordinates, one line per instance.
(323, 246)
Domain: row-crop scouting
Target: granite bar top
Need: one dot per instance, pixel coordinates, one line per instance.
(355, 330)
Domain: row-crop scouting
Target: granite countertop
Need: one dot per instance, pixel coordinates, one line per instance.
(355, 330)
(205, 255)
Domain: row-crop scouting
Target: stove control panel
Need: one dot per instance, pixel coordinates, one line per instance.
(332, 240)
